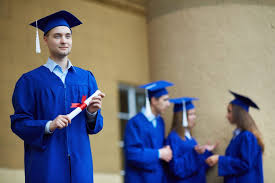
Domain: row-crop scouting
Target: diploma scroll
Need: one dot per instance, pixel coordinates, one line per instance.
(80, 108)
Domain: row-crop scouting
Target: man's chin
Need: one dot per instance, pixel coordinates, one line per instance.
(63, 54)
(161, 112)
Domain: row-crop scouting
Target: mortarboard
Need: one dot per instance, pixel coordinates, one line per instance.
(155, 89)
(243, 101)
(183, 100)
(60, 18)
(183, 104)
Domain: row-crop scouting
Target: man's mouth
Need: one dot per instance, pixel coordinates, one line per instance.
(63, 48)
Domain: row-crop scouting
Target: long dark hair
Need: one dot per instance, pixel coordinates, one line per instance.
(244, 121)
(177, 124)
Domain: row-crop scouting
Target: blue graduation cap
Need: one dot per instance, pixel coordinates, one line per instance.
(183, 100)
(60, 18)
(183, 104)
(155, 89)
(243, 101)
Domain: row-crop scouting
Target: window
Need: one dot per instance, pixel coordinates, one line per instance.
(131, 100)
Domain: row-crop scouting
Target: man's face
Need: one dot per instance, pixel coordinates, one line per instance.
(59, 41)
(161, 104)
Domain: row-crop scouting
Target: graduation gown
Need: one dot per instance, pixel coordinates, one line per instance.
(65, 155)
(242, 161)
(187, 165)
(141, 144)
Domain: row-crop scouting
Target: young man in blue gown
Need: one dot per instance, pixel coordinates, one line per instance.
(57, 149)
(145, 152)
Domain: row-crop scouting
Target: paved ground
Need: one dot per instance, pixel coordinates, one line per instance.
(17, 176)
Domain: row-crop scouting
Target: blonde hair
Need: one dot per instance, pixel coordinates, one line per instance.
(244, 121)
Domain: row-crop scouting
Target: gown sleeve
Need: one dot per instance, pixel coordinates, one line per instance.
(135, 152)
(186, 164)
(23, 122)
(237, 165)
(97, 125)
(206, 155)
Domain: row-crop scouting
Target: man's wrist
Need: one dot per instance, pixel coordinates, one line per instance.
(91, 117)
(91, 113)
(47, 128)
(159, 153)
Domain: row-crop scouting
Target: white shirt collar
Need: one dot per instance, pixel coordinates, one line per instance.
(188, 134)
(236, 132)
(51, 65)
(150, 117)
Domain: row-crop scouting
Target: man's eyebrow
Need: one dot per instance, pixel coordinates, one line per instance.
(58, 33)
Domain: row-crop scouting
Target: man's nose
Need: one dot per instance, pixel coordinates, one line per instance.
(63, 39)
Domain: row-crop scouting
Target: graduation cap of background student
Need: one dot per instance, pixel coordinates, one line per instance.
(60, 18)
(243, 101)
(183, 104)
(155, 89)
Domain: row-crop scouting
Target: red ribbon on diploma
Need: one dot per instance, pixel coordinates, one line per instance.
(81, 105)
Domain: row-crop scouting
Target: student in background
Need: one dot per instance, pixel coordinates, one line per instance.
(242, 161)
(188, 163)
(145, 152)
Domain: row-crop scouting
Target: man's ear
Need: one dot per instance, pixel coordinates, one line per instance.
(45, 40)
(154, 100)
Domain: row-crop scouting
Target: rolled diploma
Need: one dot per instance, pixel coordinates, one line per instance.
(77, 110)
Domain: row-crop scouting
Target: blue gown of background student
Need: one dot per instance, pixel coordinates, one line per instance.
(187, 165)
(242, 161)
(142, 142)
(40, 96)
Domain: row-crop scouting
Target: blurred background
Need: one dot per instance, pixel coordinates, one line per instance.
(205, 47)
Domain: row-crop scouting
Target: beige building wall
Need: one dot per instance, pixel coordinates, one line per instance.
(111, 42)
(207, 47)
